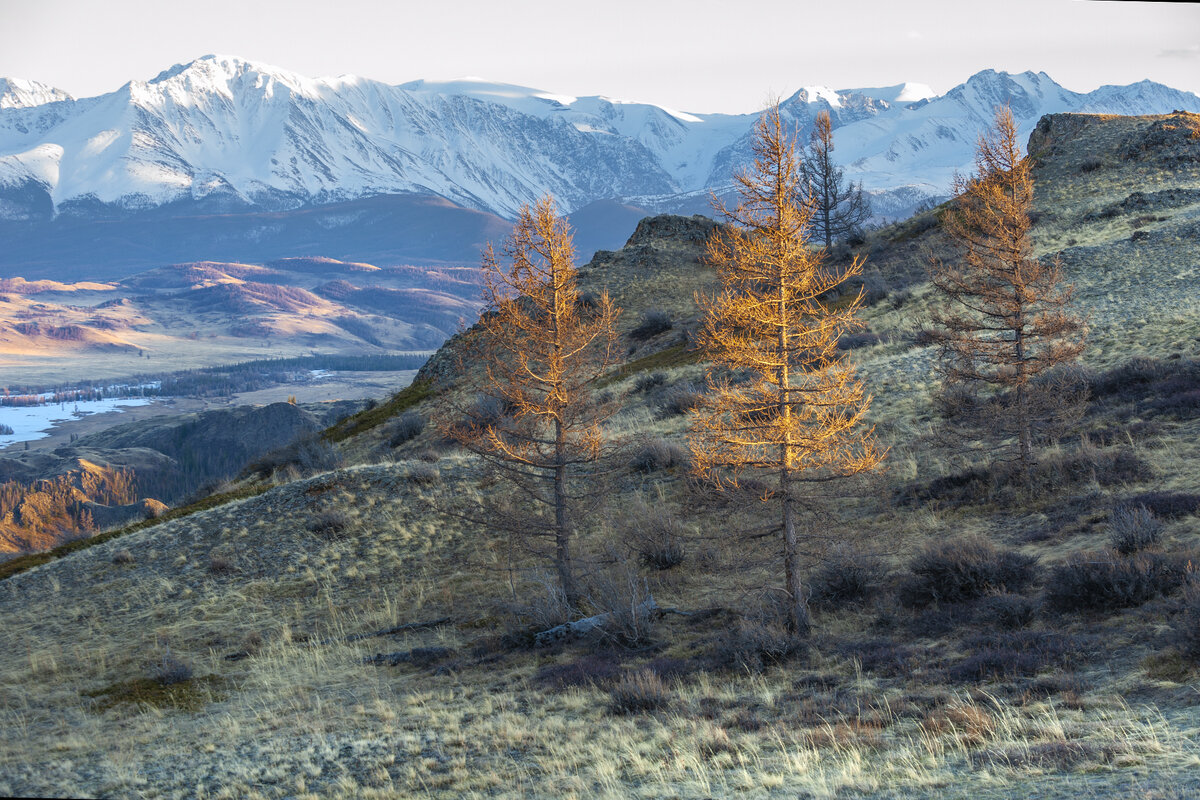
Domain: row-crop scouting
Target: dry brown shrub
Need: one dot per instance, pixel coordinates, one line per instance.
(967, 723)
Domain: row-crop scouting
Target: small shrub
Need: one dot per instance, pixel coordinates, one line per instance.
(753, 645)
(845, 576)
(330, 523)
(658, 454)
(593, 669)
(543, 610)
(1058, 755)
(406, 428)
(965, 569)
(653, 322)
(1010, 655)
(1006, 611)
(171, 670)
(639, 692)
(423, 473)
(485, 412)
(654, 534)
(219, 564)
(649, 381)
(1129, 381)
(884, 657)
(1108, 581)
(1167, 505)
(1133, 529)
(853, 341)
(307, 456)
(1187, 624)
(680, 399)
(969, 724)
(587, 301)
(626, 600)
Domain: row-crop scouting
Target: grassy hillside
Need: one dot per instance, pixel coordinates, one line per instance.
(348, 634)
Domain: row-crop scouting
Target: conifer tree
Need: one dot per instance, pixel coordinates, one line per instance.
(537, 354)
(799, 414)
(1007, 323)
(840, 209)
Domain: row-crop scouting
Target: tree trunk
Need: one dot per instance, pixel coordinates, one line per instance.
(798, 621)
(1024, 427)
(562, 523)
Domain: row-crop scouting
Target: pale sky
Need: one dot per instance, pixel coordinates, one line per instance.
(691, 55)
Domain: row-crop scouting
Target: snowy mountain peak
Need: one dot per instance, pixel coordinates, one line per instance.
(224, 75)
(229, 135)
(20, 93)
(899, 94)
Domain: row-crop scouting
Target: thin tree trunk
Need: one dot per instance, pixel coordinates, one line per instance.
(1024, 432)
(798, 621)
(562, 523)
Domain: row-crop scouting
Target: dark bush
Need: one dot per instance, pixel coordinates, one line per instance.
(942, 619)
(1108, 581)
(639, 692)
(853, 341)
(965, 569)
(1128, 381)
(680, 399)
(1051, 474)
(1167, 505)
(1133, 528)
(624, 598)
(883, 657)
(752, 645)
(659, 454)
(846, 576)
(308, 456)
(594, 669)
(587, 301)
(330, 523)
(1015, 654)
(486, 411)
(1006, 611)
(406, 428)
(219, 564)
(423, 473)
(170, 670)
(653, 322)
(1187, 624)
(655, 535)
(648, 381)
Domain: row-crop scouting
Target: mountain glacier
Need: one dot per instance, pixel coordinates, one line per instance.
(224, 135)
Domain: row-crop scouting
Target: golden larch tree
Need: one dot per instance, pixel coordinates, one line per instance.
(536, 354)
(800, 412)
(1008, 322)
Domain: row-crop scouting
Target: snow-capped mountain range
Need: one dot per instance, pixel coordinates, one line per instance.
(221, 134)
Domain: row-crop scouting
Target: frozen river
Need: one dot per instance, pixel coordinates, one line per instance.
(34, 422)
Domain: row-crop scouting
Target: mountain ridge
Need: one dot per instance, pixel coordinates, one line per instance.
(247, 135)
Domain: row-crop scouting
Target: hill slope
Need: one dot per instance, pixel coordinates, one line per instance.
(279, 603)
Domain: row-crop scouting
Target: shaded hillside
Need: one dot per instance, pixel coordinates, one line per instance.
(127, 471)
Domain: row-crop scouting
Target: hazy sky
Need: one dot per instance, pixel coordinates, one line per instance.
(694, 55)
